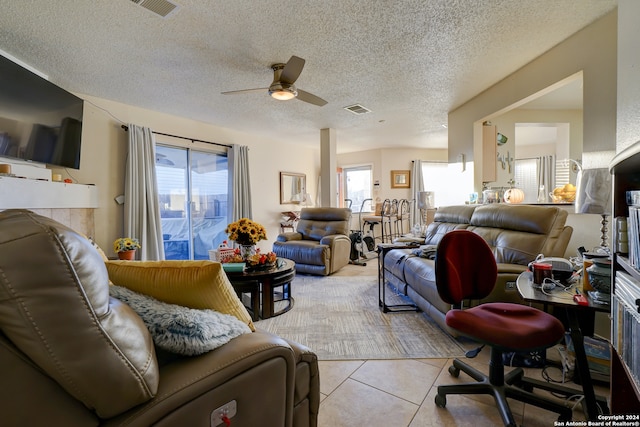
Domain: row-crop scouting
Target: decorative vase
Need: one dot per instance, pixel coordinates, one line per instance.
(600, 275)
(127, 255)
(246, 251)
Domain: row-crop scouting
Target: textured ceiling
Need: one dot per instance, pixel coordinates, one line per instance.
(408, 61)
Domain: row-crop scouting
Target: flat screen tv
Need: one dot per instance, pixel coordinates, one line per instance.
(39, 121)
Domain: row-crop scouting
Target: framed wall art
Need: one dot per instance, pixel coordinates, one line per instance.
(401, 179)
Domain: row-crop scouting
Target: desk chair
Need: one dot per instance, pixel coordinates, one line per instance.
(466, 269)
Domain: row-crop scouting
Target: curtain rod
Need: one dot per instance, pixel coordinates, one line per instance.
(126, 128)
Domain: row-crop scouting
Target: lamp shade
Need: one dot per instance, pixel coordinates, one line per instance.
(593, 193)
(426, 200)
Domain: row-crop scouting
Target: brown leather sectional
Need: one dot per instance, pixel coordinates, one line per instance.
(515, 233)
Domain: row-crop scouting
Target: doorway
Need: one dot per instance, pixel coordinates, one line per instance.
(193, 190)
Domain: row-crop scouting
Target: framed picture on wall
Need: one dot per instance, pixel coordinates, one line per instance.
(401, 179)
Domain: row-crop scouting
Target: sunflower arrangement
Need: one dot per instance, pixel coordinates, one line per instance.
(123, 244)
(246, 232)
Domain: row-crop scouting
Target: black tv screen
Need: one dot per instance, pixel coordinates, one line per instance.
(39, 121)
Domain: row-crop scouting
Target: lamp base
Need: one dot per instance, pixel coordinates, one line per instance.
(604, 239)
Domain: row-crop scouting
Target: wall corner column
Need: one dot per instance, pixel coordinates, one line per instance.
(328, 167)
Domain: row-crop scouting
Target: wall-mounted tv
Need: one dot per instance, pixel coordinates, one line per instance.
(39, 121)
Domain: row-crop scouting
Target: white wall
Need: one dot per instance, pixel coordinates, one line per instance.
(506, 123)
(591, 50)
(628, 111)
(104, 152)
(388, 159)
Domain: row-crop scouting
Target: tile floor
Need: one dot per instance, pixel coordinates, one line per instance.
(401, 393)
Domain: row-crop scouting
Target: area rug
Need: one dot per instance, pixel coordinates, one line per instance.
(339, 319)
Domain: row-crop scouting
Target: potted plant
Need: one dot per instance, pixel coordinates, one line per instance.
(126, 247)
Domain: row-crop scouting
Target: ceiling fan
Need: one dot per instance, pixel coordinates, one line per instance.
(282, 88)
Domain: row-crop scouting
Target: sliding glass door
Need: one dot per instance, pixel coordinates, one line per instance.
(193, 188)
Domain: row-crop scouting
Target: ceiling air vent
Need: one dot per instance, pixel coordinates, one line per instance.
(357, 109)
(160, 7)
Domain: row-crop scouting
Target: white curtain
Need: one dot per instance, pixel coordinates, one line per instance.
(239, 184)
(417, 185)
(141, 209)
(546, 177)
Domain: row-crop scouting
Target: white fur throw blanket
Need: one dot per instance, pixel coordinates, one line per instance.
(179, 329)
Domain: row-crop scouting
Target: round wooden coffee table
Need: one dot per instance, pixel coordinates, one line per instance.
(270, 286)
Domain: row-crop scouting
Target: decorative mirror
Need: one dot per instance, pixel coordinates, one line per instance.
(293, 187)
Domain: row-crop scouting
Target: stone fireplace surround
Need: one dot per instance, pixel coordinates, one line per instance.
(70, 204)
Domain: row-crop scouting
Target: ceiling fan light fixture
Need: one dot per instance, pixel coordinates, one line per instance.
(283, 92)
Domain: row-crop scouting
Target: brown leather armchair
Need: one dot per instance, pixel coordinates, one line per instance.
(321, 243)
(71, 355)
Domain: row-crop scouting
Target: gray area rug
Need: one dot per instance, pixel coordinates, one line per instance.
(339, 319)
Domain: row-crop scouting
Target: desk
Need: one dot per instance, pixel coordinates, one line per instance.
(262, 285)
(560, 298)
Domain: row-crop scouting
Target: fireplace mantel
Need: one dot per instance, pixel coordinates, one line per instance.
(38, 194)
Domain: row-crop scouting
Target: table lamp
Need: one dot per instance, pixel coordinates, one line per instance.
(425, 202)
(593, 195)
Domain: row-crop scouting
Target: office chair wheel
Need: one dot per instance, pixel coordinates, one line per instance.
(441, 400)
(454, 372)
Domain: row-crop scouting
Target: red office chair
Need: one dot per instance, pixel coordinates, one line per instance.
(466, 269)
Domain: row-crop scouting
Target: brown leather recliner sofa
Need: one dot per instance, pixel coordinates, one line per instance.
(515, 233)
(320, 245)
(71, 355)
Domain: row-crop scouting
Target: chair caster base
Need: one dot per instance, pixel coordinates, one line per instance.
(454, 372)
(441, 400)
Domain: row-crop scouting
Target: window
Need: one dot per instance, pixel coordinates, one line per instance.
(357, 186)
(192, 187)
(450, 185)
(526, 177)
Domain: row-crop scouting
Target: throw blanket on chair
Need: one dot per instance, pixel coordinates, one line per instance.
(179, 329)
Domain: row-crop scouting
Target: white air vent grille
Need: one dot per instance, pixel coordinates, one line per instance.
(160, 7)
(357, 109)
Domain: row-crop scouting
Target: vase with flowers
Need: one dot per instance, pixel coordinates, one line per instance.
(246, 233)
(126, 247)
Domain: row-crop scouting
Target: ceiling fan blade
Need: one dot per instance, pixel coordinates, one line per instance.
(292, 70)
(233, 92)
(310, 98)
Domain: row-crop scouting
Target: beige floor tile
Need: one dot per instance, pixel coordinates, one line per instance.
(439, 363)
(446, 378)
(461, 411)
(354, 404)
(406, 379)
(335, 372)
(392, 392)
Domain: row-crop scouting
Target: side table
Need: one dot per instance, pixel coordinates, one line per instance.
(383, 249)
(559, 298)
(262, 287)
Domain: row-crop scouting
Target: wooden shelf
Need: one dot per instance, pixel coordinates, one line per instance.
(625, 393)
(625, 399)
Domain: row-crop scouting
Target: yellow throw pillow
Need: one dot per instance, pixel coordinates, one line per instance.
(98, 248)
(193, 284)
